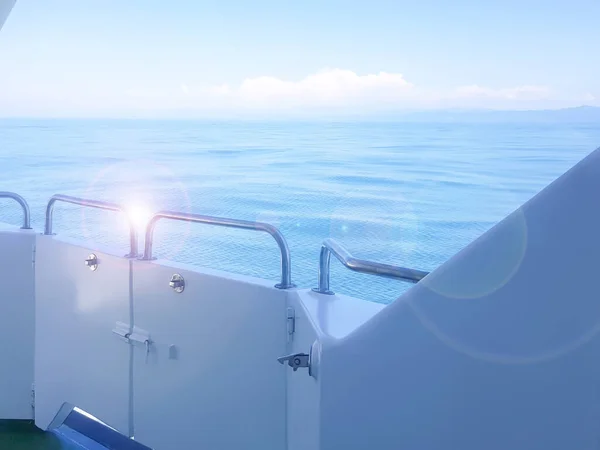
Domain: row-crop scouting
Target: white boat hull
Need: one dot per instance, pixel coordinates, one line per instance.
(495, 349)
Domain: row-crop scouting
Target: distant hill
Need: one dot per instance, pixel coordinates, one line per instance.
(580, 114)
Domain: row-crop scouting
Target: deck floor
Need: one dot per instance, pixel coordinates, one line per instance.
(24, 435)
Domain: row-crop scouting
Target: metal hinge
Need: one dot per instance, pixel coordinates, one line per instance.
(33, 397)
(33, 255)
(291, 323)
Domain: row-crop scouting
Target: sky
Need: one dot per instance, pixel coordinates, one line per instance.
(134, 58)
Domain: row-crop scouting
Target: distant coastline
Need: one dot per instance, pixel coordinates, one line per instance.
(580, 114)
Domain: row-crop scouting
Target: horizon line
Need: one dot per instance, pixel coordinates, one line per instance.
(305, 116)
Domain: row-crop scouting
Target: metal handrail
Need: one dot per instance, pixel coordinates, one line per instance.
(133, 238)
(330, 246)
(286, 265)
(21, 201)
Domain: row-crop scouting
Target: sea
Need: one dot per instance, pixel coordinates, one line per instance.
(405, 193)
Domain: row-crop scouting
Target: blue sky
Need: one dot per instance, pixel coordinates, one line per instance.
(183, 57)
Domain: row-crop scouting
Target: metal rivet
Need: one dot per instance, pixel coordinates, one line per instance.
(92, 262)
(177, 283)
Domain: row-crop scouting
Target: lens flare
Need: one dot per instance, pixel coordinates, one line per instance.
(139, 216)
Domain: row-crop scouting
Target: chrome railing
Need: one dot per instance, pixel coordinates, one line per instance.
(286, 265)
(24, 206)
(133, 238)
(330, 247)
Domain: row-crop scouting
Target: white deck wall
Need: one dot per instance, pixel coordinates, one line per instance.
(210, 377)
(17, 315)
(78, 359)
(222, 388)
(497, 349)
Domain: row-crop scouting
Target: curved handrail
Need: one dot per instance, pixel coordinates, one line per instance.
(133, 238)
(330, 246)
(286, 265)
(21, 201)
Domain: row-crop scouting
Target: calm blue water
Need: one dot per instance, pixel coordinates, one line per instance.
(404, 193)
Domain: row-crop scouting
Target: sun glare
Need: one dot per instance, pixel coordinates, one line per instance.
(139, 216)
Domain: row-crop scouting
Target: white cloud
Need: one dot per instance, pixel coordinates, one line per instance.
(327, 93)
(222, 89)
(333, 87)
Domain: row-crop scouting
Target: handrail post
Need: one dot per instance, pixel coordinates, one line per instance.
(49, 216)
(133, 237)
(324, 268)
(149, 238)
(286, 264)
(330, 246)
(24, 206)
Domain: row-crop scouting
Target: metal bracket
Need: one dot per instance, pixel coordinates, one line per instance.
(139, 336)
(177, 283)
(291, 323)
(122, 330)
(295, 360)
(92, 262)
(134, 336)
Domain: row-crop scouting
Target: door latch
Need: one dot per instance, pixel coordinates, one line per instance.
(295, 360)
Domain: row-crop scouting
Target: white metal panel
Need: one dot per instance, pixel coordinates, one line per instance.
(303, 401)
(497, 349)
(78, 359)
(222, 387)
(17, 322)
(321, 318)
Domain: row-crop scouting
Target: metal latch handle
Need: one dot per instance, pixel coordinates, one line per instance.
(295, 360)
